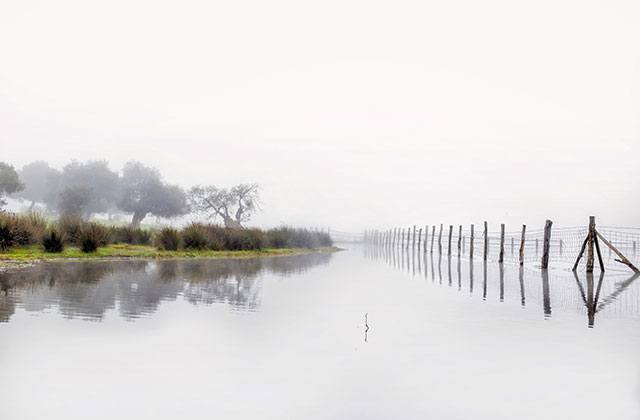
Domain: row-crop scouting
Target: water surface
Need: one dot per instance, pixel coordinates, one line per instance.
(285, 337)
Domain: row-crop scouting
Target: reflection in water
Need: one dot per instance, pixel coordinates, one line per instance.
(137, 288)
(585, 293)
(545, 293)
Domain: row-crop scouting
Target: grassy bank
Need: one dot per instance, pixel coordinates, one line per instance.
(35, 253)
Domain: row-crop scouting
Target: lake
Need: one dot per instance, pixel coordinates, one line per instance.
(359, 334)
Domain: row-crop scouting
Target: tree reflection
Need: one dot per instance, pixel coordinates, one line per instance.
(137, 288)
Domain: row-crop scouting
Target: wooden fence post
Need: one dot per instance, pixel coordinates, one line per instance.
(440, 240)
(546, 243)
(408, 236)
(590, 236)
(413, 242)
(486, 241)
(501, 256)
(426, 237)
(522, 238)
(471, 238)
(419, 238)
(433, 236)
(459, 240)
(450, 234)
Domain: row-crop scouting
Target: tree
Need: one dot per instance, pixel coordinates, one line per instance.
(74, 201)
(42, 184)
(96, 177)
(143, 192)
(235, 205)
(9, 182)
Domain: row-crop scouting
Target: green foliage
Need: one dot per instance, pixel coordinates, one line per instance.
(168, 239)
(52, 241)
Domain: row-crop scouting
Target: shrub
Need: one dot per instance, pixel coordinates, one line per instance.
(168, 239)
(6, 237)
(243, 239)
(70, 228)
(24, 229)
(92, 236)
(194, 236)
(52, 241)
(131, 235)
(286, 237)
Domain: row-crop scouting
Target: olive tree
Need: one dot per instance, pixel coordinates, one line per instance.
(143, 192)
(9, 182)
(95, 177)
(42, 184)
(75, 201)
(234, 205)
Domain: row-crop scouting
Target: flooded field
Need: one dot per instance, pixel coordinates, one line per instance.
(360, 334)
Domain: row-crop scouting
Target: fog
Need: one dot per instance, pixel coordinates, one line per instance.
(348, 114)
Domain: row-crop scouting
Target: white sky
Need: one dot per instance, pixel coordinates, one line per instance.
(350, 114)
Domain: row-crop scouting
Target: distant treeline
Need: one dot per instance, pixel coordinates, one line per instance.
(82, 189)
(19, 230)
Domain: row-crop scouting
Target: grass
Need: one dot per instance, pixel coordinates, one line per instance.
(36, 253)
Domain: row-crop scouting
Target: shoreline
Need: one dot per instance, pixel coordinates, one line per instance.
(17, 257)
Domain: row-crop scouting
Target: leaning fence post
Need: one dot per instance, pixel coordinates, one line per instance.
(486, 241)
(450, 233)
(471, 243)
(521, 254)
(501, 256)
(546, 243)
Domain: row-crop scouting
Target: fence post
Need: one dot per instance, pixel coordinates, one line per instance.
(459, 240)
(471, 243)
(450, 234)
(590, 237)
(486, 241)
(413, 241)
(440, 240)
(501, 257)
(433, 236)
(521, 255)
(426, 237)
(419, 238)
(546, 243)
(408, 236)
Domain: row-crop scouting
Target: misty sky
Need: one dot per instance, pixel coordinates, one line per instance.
(350, 114)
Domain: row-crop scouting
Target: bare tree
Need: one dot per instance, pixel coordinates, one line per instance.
(234, 205)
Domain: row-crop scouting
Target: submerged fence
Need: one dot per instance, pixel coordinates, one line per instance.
(525, 245)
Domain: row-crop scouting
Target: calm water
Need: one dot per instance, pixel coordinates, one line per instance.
(285, 338)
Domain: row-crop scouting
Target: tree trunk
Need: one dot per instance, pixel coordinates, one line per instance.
(231, 223)
(138, 216)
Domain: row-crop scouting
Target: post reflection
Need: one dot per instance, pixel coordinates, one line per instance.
(593, 294)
